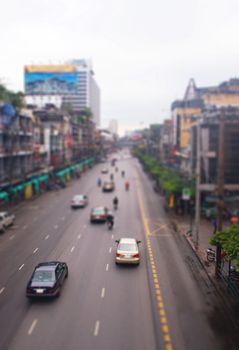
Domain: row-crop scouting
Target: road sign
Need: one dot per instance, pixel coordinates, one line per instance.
(186, 195)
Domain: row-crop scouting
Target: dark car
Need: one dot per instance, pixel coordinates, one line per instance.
(108, 186)
(47, 279)
(98, 214)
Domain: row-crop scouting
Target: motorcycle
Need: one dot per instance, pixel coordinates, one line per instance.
(211, 255)
(110, 225)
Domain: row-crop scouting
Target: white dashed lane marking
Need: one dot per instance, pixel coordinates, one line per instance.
(79, 236)
(24, 227)
(112, 236)
(1, 290)
(110, 250)
(107, 267)
(97, 328)
(103, 293)
(72, 249)
(56, 227)
(47, 237)
(35, 250)
(63, 218)
(33, 325)
(11, 237)
(21, 267)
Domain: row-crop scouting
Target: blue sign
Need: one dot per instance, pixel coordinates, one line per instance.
(50, 83)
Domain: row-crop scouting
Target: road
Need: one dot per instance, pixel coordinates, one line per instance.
(167, 302)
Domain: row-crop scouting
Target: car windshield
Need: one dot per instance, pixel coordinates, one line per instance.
(44, 276)
(127, 246)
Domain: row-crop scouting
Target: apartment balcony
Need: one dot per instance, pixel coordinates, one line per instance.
(7, 151)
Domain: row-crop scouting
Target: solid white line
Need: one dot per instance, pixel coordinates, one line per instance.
(33, 325)
(35, 250)
(47, 237)
(2, 289)
(107, 267)
(11, 237)
(72, 249)
(79, 236)
(56, 227)
(21, 267)
(112, 236)
(103, 293)
(110, 250)
(97, 327)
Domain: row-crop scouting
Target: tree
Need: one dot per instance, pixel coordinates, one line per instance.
(14, 98)
(87, 112)
(228, 240)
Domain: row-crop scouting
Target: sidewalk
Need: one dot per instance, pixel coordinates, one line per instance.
(181, 224)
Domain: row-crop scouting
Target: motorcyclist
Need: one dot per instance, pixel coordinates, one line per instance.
(111, 177)
(115, 202)
(110, 220)
(99, 181)
(122, 173)
(126, 185)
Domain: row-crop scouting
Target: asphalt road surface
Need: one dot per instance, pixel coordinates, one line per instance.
(167, 302)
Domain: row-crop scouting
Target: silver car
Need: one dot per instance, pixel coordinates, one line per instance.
(127, 251)
(79, 201)
(6, 220)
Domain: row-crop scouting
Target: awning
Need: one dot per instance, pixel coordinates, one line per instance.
(3, 195)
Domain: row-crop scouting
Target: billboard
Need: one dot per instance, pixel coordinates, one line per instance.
(50, 80)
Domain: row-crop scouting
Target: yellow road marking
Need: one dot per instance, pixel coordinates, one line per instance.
(162, 314)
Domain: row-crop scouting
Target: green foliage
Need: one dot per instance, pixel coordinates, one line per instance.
(87, 113)
(169, 181)
(229, 241)
(8, 96)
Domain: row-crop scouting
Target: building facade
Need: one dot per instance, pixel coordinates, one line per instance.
(71, 86)
(185, 112)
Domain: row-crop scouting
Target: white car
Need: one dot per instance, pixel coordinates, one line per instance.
(79, 201)
(104, 171)
(6, 220)
(127, 251)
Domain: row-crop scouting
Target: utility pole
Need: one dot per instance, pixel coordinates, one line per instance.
(220, 184)
(198, 181)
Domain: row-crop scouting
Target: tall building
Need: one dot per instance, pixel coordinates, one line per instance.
(72, 85)
(113, 126)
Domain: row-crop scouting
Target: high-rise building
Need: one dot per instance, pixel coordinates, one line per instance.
(71, 84)
(113, 126)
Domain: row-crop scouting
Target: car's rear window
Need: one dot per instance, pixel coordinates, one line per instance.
(127, 246)
(98, 211)
(44, 276)
(79, 198)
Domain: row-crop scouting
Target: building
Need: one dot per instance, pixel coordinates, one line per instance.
(71, 86)
(196, 100)
(209, 123)
(16, 147)
(113, 127)
(57, 134)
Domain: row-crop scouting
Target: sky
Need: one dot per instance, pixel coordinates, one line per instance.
(143, 52)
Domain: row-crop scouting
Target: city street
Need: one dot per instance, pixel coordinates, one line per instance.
(167, 302)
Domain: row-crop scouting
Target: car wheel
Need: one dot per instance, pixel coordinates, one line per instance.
(67, 274)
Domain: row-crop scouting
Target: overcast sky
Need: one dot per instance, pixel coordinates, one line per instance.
(143, 51)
